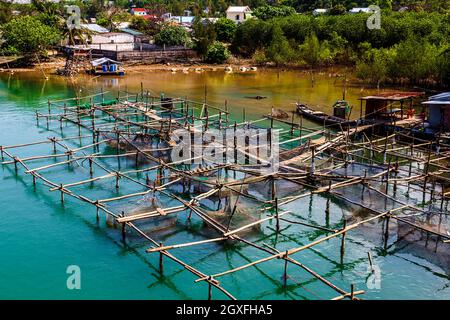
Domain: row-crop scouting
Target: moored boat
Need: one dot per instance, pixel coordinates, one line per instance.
(105, 67)
(340, 107)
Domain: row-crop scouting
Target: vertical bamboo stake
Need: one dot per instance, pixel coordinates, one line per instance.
(370, 260)
(292, 123)
(62, 193)
(285, 276)
(161, 265)
(91, 169)
(343, 242)
(117, 180)
(226, 112)
(313, 165)
(209, 289)
(386, 231)
(123, 227)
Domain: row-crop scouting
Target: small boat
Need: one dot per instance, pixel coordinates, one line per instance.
(322, 117)
(256, 97)
(106, 67)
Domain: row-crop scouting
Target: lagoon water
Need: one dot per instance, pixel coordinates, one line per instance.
(40, 238)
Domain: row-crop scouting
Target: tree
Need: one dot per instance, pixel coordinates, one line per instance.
(5, 11)
(269, 12)
(148, 26)
(111, 18)
(374, 65)
(204, 35)
(28, 35)
(250, 36)
(310, 50)
(279, 50)
(338, 10)
(217, 53)
(172, 36)
(225, 29)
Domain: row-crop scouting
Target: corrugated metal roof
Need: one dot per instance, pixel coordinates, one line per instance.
(444, 96)
(94, 27)
(132, 32)
(436, 102)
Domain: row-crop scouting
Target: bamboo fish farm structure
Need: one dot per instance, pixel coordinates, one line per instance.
(348, 165)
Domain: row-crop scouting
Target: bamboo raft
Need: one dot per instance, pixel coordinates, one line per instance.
(314, 160)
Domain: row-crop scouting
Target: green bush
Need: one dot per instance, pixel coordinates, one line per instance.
(172, 36)
(225, 29)
(269, 12)
(217, 53)
(28, 35)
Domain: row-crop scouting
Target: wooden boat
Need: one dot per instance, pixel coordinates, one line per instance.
(106, 67)
(321, 117)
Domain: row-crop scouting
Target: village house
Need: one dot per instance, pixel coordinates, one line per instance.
(239, 14)
(317, 12)
(360, 10)
(138, 12)
(438, 111)
(115, 41)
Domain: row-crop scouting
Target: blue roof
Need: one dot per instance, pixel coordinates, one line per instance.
(445, 96)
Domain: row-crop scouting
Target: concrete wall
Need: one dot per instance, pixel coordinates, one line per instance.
(154, 56)
(113, 46)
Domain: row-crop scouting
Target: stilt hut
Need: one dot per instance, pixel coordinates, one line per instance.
(438, 111)
(388, 105)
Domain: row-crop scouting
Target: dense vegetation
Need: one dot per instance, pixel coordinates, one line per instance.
(411, 46)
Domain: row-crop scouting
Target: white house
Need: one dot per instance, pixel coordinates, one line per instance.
(112, 37)
(317, 12)
(138, 12)
(115, 41)
(239, 14)
(360, 10)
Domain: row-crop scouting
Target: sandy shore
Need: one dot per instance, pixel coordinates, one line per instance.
(55, 63)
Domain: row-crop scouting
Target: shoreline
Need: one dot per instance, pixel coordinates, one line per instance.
(59, 62)
(335, 71)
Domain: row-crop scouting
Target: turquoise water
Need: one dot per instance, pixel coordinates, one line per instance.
(40, 237)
